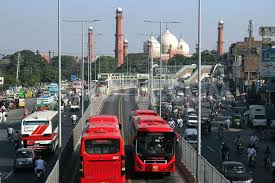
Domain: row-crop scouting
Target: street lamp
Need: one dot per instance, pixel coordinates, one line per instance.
(199, 82)
(59, 74)
(82, 23)
(160, 54)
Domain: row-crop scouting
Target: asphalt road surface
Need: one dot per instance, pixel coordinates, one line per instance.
(211, 149)
(121, 103)
(7, 149)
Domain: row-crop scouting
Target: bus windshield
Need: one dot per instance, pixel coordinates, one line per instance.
(35, 122)
(102, 146)
(155, 144)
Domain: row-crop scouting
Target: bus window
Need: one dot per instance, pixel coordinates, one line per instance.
(155, 144)
(102, 146)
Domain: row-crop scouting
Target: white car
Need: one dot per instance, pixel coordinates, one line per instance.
(192, 120)
(191, 135)
(180, 93)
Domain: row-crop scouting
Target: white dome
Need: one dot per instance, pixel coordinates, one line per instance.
(168, 39)
(119, 9)
(221, 22)
(183, 47)
(125, 41)
(90, 28)
(155, 46)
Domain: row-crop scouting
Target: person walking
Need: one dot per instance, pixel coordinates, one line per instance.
(4, 115)
(1, 115)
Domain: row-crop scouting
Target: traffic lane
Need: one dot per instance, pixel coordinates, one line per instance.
(28, 175)
(211, 145)
(13, 120)
(129, 104)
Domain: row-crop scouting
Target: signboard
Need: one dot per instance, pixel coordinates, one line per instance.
(268, 63)
(267, 31)
(73, 77)
(1, 80)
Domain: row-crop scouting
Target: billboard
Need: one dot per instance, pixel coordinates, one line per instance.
(267, 31)
(268, 62)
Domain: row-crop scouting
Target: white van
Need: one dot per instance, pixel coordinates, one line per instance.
(257, 116)
(191, 135)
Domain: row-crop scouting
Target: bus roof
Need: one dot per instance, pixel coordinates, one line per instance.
(102, 119)
(152, 124)
(102, 126)
(145, 112)
(41, 115)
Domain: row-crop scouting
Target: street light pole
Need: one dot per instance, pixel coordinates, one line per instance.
(59, 76)
(160, 54)
(199, 83)
(82, 23)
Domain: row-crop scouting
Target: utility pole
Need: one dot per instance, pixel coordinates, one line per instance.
(59, 77)
(82, 45)
(18, 67)
(199, 82)
(250, 31)
(160, 56)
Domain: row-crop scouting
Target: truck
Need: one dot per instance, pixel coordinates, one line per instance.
(257, 116)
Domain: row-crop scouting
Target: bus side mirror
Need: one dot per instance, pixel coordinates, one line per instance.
(119, 126)
(86, 121)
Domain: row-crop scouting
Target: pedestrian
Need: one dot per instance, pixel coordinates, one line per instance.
(26, 112)
(4, 116)
(1, 116)
(209, 125)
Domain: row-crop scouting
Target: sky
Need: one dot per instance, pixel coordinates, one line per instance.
(32, 24)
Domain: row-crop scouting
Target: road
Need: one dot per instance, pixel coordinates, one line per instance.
(7, 153)
(211, 145)
(121, 103)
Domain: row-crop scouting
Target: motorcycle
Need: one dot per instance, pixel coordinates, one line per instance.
(267, 162)
(40, 175)
(252, 160)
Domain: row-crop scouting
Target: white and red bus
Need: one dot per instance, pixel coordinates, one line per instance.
(102, 155)
(153, 145)
(39, 130)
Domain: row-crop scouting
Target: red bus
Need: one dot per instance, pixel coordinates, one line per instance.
(102, 155)
(142, 112)
(153, 145)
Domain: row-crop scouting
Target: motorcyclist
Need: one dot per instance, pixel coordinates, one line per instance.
(16, 139)
(74, 118)
(251, 152)
(172, 122)
(221, 130)
(238, 142)
(180, 122)
(224, 150)
(267, 155)
(40, 164)
(227, 123)
(253, 140)
(10, 132)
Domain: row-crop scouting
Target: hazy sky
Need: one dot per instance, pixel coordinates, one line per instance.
(32, 24)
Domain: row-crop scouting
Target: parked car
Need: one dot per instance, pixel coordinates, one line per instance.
(24, 158)
(235, 172)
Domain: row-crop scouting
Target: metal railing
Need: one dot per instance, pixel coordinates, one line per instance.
(54, 175)
(187, 156)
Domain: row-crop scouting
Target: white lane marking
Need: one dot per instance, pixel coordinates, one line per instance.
(211, 148)
(8, 175)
